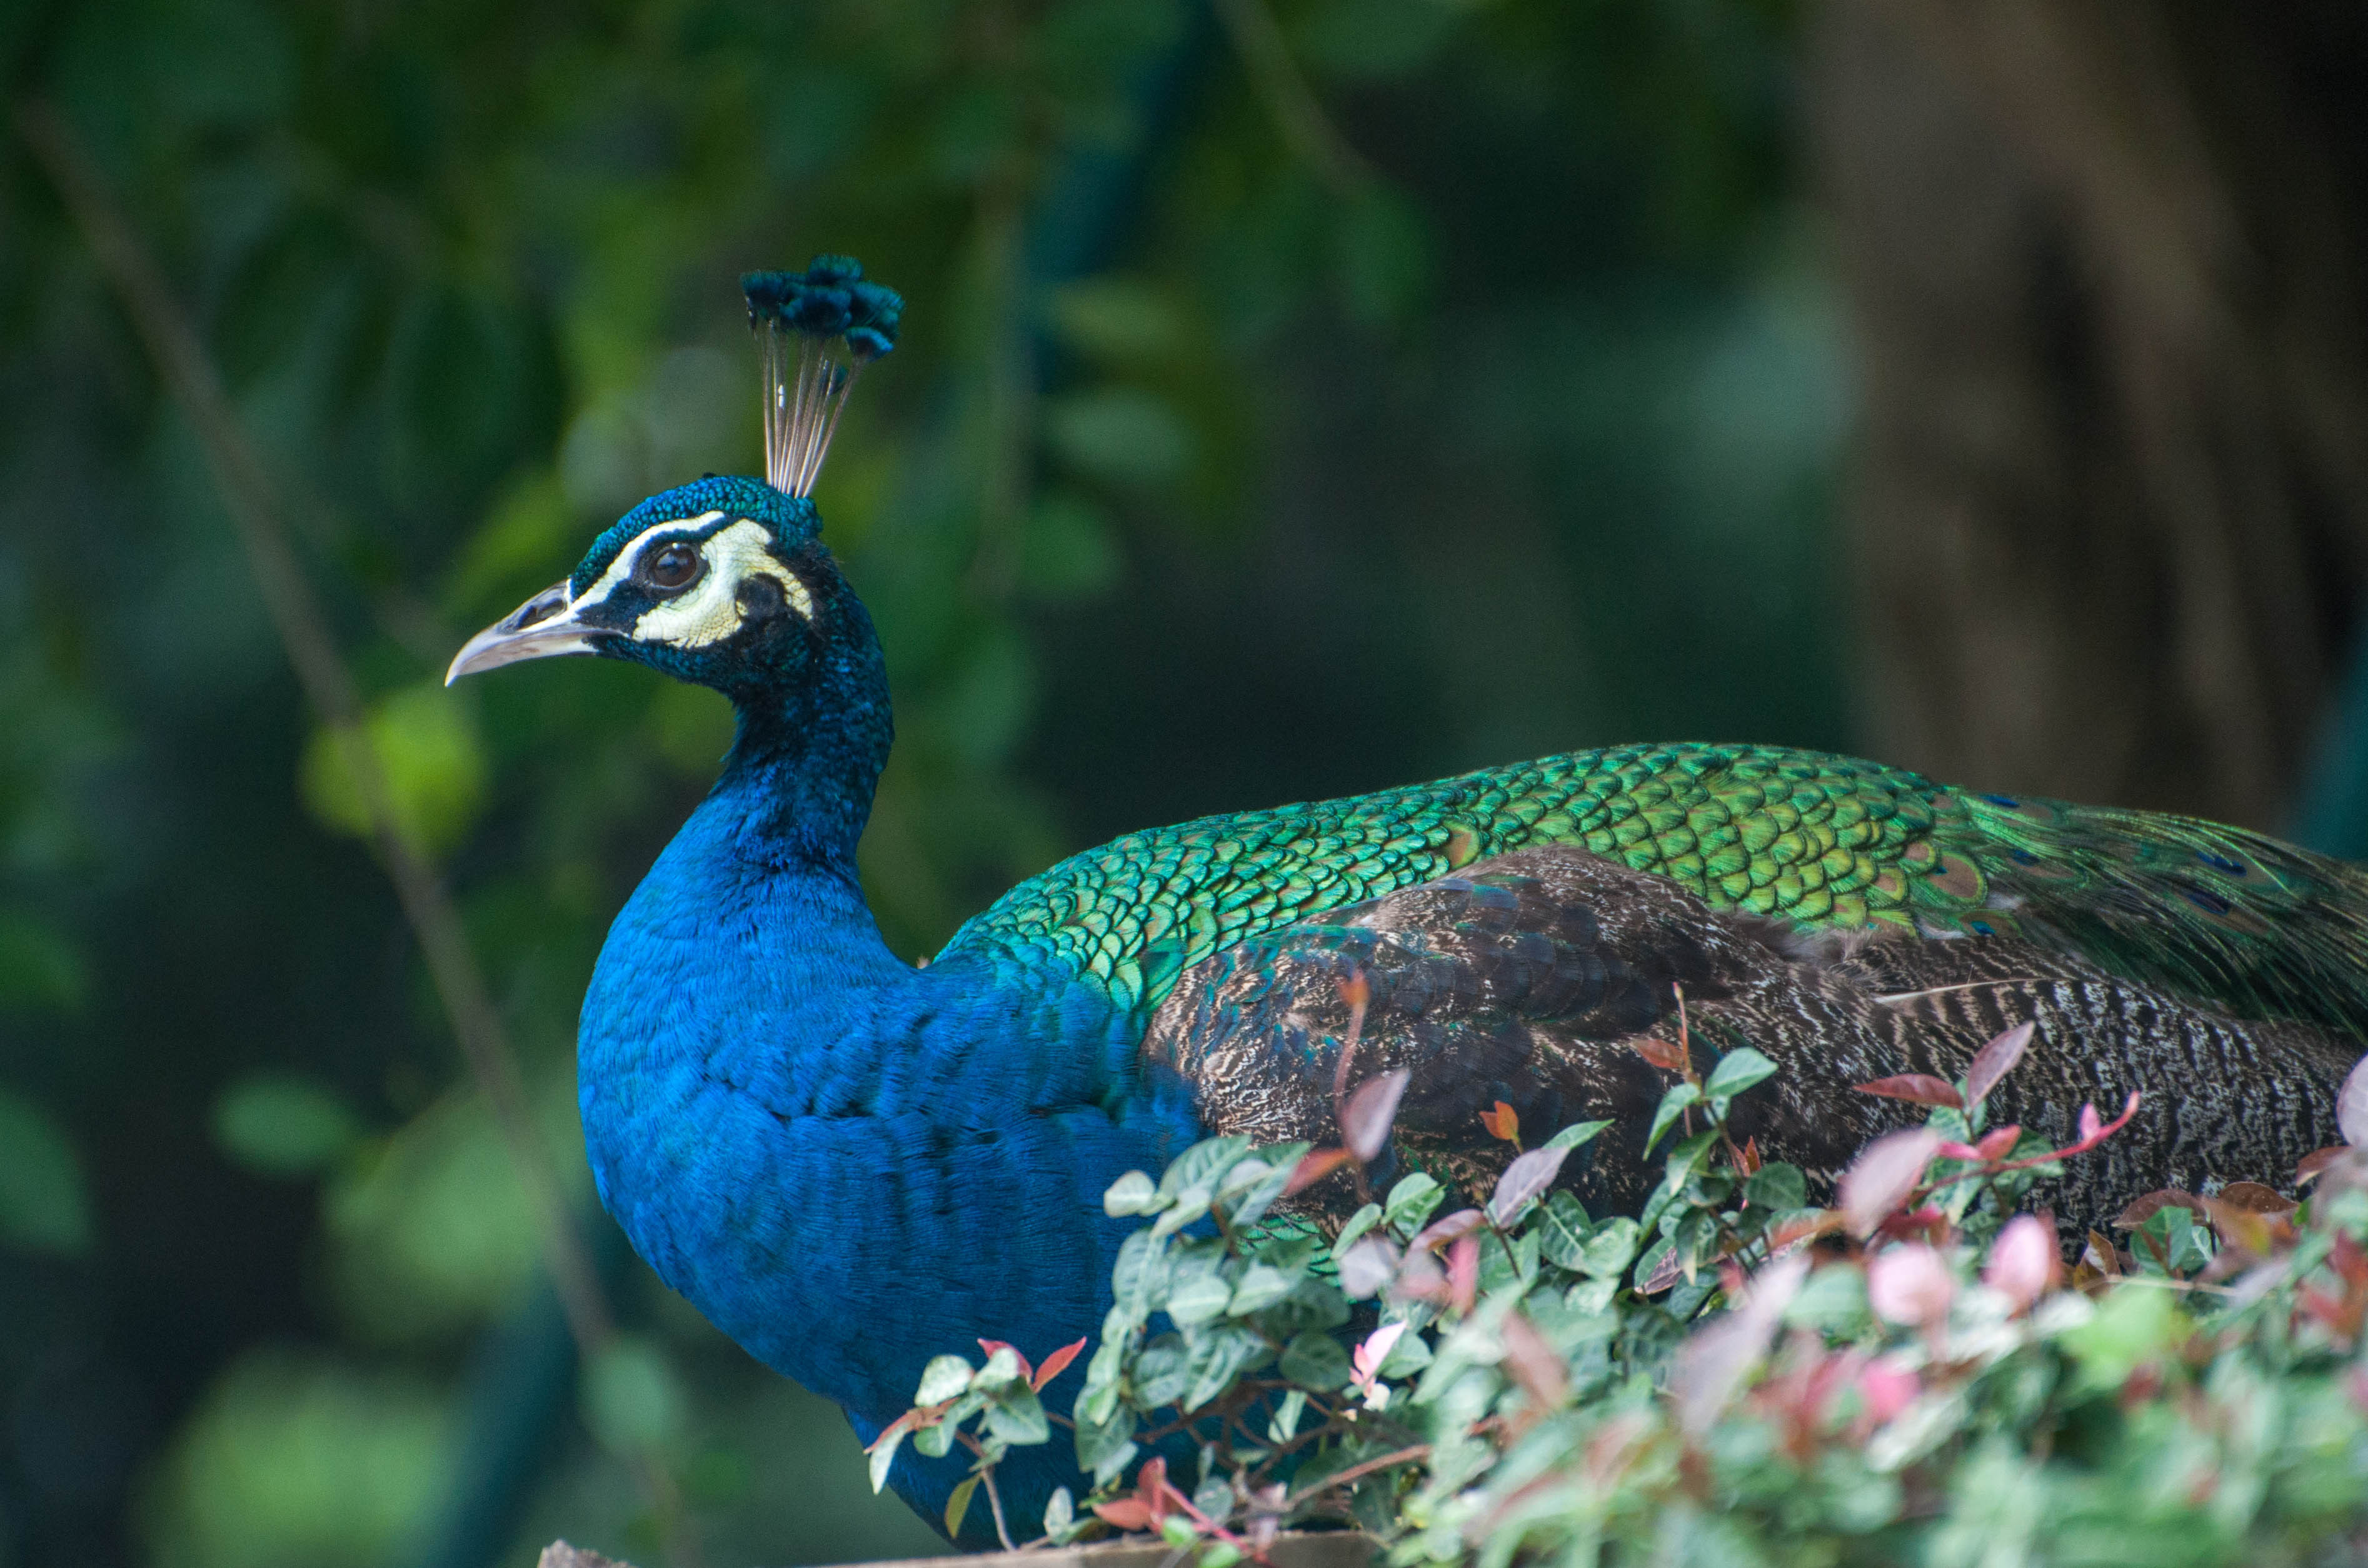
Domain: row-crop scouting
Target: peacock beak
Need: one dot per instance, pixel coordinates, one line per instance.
(542, 628)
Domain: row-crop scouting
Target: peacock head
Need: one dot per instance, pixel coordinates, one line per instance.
(724, 581)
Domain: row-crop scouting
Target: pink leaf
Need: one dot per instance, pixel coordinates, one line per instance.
(1446, 1229)
(1463, 1272)
(1994, 1061)
(1524, 1179)
(2024, 1261)
(2092, 1134)
(2089, 1122)
(1909, 1284)
(1710, 1365)
(1885, 1388)
(1129, 1513)
(1920, 1088)
(1365, 1119)
(1374, 1351)
(2352, 1105)
(1998, 1142)
(1883, 1176)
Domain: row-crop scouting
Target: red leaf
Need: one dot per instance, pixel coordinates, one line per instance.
(1661, 1053)
(1998, 1142)
(1151, 1485)
(2093, 1134)
(1504, 1123)
(1747, 1161)
(2147, 1205)
(1125, 1512)
(1056, 1364)
(1365, 1119)
(991, 1346)
(2318, 1160)
(1800, 1228)
(1883, 1176)
(1919, 1088)
(1313, 1166)
(2352, 1105)
(1995, 1060)
(2255, 1198)
(1355, 991)
(1533, 1363)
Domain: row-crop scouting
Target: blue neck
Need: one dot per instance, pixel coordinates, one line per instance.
(815, 1141)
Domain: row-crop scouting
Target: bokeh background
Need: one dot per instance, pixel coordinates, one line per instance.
(1298, 396)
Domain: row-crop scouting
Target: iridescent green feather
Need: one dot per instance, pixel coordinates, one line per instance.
(1827, 842)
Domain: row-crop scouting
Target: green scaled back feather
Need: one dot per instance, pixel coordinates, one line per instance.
(1827, 842)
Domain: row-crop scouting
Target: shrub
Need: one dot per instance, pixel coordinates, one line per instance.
(1734, 1376)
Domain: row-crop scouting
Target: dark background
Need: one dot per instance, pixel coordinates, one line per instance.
(1298, 396)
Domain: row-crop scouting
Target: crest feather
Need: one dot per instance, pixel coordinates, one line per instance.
(819, 328)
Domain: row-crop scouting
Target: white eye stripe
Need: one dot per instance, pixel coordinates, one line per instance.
(629, 558)
(708, 611)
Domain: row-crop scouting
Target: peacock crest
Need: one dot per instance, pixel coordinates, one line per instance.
(818, 328)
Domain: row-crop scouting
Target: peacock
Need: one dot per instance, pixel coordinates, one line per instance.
(850, 1164)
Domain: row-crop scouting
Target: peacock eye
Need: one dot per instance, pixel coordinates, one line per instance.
(676, 566)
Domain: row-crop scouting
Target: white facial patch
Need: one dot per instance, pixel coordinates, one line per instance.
(710, 611)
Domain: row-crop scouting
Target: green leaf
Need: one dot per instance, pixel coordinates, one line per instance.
(944, 1377)
(1262, 1285)
(1160, 1373)
(1412, 1202)
(278, 1124)
(1197, 1293)
(1125, 435)
(1222, 1354)
(958, 1503)
(1777, 1187)
(1736, 1072)
(1576, 1133)
(1281, 1161)
(1018, 1418)
(884, 1455)
(1673, 1105)
(1316, 1361)
(1139, 1280)
(1562, 1228)
(1131, 1194)
(631, 1400)
(43, 1204)
(1105, 1447)
(1610, 1248)
(1363, 1220)
(429, 755)
(1060, 1512)
(1191, 1206)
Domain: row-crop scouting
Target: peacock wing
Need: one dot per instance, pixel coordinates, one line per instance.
(1530, 981)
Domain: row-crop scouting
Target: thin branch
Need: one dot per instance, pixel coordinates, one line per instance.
(253, 502)
(1298, 114)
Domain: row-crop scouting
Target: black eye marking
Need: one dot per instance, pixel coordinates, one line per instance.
(760, 598)
(671, 567)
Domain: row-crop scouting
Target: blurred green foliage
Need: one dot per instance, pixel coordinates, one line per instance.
(1207, 476)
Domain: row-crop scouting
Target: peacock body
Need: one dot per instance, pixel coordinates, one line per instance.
(850, 1164)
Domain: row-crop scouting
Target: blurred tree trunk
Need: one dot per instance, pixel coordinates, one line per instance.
(2110, 512)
